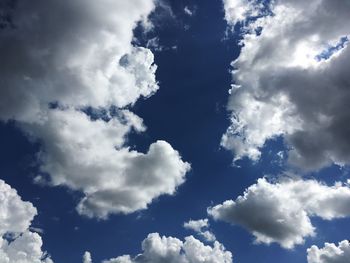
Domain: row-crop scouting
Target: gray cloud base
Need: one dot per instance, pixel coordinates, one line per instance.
(281, 212)
(284, 86)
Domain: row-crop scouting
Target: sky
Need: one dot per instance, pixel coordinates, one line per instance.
(174, 131)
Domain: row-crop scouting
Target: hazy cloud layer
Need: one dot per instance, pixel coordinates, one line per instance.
(281, 212)
(72, 56)
(17, 243)
(159, 249)
(330, 253)
(291, 80)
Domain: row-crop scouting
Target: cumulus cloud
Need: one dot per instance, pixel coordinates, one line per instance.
(88, 155)
(281, 212)
(75, 72)
(330, 253)
(201, 227)
(157, 249)
(87, 257)
(76, 53)
(17, 243)
(16, 215)
(290, 80)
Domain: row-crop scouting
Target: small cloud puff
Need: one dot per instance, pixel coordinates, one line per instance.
(201, 227)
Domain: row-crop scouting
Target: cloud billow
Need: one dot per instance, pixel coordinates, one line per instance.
(330, 253)
(291, 80)
(74, 55)
(18, 244)
(281, 212)
(159, 249)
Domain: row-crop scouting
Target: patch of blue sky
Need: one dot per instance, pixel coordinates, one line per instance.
(331, 50)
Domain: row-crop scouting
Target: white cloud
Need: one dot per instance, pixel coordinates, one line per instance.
(282, 88)
(71, 56)
(281, 212)
(197, 225)
(330, 253)
(239, 10)
(188, 11)
(17, 243)
(15, 214)
(89, 156)
(36, 230)
(75, 53)
(157, 249)
(154, 44)
(87, 257)
(201, 227)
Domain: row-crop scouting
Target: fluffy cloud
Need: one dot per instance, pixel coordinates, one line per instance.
(239, 10)
(291, 81)
(87, 257)
(77, 53)
(281, 212)
(17, 243)
(157, 249)
(330, 253)
(75, 71)
(15, 214)
(88, 155)
(201, 227)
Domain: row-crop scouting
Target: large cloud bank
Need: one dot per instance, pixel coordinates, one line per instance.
(73, 58)
(17, 243)
(281, 212)
(291, 79)
(159, 249)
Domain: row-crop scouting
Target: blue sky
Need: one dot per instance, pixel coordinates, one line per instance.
(191, 110)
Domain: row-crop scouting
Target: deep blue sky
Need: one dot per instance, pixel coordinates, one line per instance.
(189, 112)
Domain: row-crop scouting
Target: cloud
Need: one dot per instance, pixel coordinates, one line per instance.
(330, 253)
(16, 215)
(88, 155)
(188, 11)
(36, 230)
(290, 80)
(154, 44)
(17, 243)
(157, 249)
(75, 74)
(87, 257)
(237, 11)
(201, 227)
(75, 53)
(281, 212)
